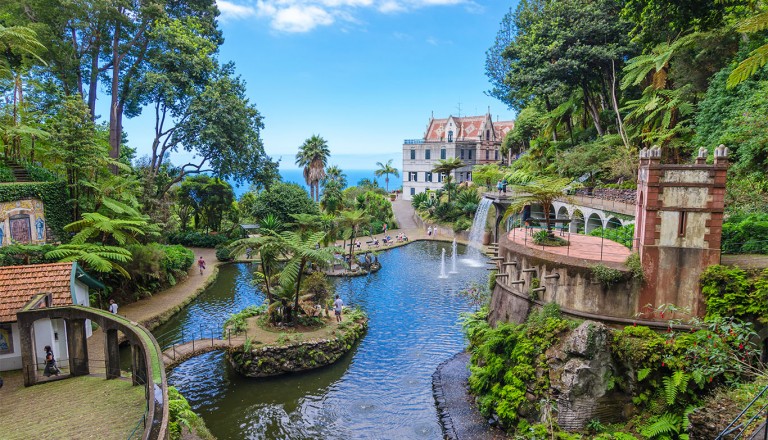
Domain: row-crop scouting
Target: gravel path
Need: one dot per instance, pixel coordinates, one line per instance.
(459, 416)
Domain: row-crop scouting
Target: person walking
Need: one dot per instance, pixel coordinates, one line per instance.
(50, 363)
(498, 186)
(201, 264)
(112, 307)
(338, 305)
(429, 231)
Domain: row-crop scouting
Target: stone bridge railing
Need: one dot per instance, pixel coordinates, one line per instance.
(147, 367)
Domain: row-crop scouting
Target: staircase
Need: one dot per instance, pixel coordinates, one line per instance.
(20, 174)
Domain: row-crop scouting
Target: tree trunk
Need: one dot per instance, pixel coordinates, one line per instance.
(615, 102)
(298, 287)
(594, 112)
(115, 108)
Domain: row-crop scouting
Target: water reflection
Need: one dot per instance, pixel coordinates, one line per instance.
(380, 390)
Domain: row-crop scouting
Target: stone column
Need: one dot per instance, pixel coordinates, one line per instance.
(138, 365)
(112, 354)
(77, 343)
(26, 340)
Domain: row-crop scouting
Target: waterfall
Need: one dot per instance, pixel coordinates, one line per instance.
(473, 257)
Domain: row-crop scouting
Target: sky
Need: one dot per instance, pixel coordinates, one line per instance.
(363, 74)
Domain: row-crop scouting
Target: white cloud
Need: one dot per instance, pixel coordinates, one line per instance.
(298, 16)
(231, 11)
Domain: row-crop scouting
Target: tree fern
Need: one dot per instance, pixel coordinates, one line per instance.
(642, 374)
(664, 426)
(757, 58)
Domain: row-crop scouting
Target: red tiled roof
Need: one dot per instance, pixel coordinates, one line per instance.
(468, 128)
(18, 284)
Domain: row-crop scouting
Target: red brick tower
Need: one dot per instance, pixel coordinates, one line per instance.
(678, 226)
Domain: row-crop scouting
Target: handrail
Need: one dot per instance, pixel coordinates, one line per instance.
(741, 427)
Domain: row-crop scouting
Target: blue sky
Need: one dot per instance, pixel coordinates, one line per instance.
(364, 74)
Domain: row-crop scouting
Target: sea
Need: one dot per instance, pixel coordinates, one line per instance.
(353, 176)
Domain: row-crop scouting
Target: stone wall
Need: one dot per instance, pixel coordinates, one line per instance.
(567, 281)
(274, 360)
(619, 195)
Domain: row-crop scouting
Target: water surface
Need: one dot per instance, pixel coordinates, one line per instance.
(382, 389)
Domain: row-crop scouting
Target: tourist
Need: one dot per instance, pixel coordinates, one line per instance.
(248, 252)
(429, 231)
(112, 307)
(337, 306)
(504, 186)
(50, 363)
(385, 228)
(498, 186)
(201, 264)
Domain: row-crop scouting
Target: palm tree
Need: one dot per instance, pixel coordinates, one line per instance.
(269, 248)
(542, 191)
(385, 170)
(447, 166)
(334, 174)
(333, 198)
(353, 220)
(313, 156)
(303, 250)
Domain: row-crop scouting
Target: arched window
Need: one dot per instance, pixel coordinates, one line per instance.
(450, 135)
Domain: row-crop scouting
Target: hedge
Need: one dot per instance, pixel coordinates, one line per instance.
(55, 201)
(196, 239)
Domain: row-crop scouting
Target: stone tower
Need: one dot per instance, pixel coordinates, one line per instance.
(678, 228)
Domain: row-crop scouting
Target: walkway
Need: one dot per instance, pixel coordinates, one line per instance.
(581, 246)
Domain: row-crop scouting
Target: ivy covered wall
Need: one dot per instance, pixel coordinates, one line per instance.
(54, 197)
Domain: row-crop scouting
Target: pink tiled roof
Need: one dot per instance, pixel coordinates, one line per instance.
(18, 284)
(468, 128)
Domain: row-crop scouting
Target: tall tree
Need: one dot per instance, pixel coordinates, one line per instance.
(313, 156)
(304, 249)
(542, 191)
(385, 169)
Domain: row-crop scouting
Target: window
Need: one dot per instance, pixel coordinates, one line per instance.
(461, 176)
(682, 224)
(487, 154)
(427, 154)
(428, 176)
(413, 154)
(450, 136)
(413, 191)
(440, 177)
(496, 155)
(469, 175)
(469, 154)
(488, 135)
(442, 153)
(462, 153)
(413, 176)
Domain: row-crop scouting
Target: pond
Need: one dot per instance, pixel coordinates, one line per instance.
(381, 389)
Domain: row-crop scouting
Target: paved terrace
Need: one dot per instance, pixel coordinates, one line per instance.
(580, 246)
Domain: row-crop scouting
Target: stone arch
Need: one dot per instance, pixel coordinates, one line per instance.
(562, 212)
(593, 222)
(577, 222)
(613, 223)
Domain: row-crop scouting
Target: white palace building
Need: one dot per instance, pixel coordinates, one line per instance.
(475, 140)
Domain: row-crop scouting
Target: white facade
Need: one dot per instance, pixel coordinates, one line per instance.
(474, 140)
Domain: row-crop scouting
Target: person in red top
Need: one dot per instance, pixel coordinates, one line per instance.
(201, 264)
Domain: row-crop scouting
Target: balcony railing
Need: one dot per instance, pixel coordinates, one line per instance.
(413, 141)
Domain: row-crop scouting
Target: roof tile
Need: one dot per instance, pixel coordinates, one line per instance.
(18, 284)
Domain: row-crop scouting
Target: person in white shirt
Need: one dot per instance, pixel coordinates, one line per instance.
(337, 306)
(112, 307)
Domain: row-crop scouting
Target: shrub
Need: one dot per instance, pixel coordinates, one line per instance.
(544, 238)
(19, 255)
(729, 291)
(624, 235)
(634, 265)
(461, 224)
(180, 414)
(196, 239)
(6, 175)
(153, 267)
(606, 275)
(223, 253)
(745, 234)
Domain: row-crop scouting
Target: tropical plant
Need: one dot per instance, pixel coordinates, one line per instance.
(334, 174)
(447, 166)
(98, 227)
(758, 57)
(385, 169)
(354, 220)
(543, 191)
(97, 257)
(313, 156)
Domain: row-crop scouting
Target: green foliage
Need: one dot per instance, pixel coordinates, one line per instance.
(607, 276)
(237, 322)
(223, 253)
(210, 199)
(730, 292)
(461, 224)
(665, 426)
(745, 234)
(635, 266)
(96, 257)
(54, 197)
(316, 288)
(477, 294)
(180, 415)
(6, 175)
(544, 238)
(19, 255)
(152, 268)
(418, 200)
(197, 239)
(504, 361)
(623, 235)
(282, 200)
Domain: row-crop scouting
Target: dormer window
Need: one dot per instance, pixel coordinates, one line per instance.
(450, 136)
(488, 135)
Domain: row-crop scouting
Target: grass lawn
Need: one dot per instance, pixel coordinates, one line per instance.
(76, 408)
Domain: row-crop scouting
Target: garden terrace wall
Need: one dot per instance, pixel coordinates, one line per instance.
(273, 360)
(619, 195)
(567, 281)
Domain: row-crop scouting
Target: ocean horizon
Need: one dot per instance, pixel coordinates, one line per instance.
(295, 175)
